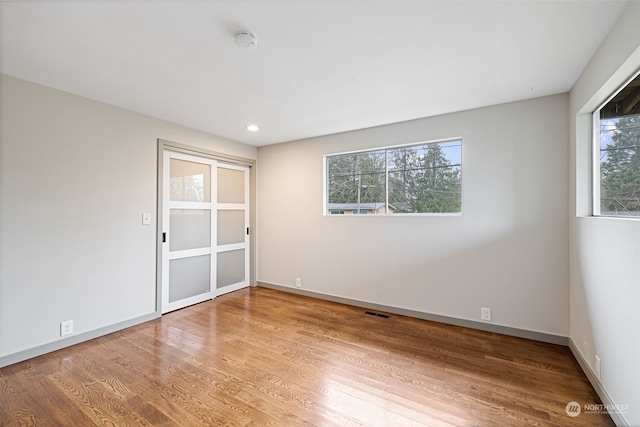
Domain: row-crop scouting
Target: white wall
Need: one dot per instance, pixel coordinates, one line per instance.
(508, 251)
(605, 253)
(76, 177)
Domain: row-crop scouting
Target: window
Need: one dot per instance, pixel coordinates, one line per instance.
(617, 178)
(424, 178)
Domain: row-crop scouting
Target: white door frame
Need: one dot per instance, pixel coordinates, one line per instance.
(164, 145)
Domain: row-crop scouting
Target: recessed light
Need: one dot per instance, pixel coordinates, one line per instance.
(253, 128)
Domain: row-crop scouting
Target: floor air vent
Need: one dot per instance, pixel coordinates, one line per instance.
(371, 313)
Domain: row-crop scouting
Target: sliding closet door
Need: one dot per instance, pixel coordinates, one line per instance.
(188, 262)
(232, 228)
(205, 247)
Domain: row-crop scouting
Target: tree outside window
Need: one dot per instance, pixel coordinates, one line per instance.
(417, 179)
(619, 176)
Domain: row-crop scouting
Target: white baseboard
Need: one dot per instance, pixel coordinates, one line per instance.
(72, 340)
(499, 329)
(617, 417)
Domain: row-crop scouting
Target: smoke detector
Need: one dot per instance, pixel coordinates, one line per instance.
(245, 40)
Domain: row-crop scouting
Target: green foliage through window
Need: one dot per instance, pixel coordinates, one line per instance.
(619, 176)
(416, 179)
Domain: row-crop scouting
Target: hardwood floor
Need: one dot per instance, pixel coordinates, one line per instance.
(263, 357)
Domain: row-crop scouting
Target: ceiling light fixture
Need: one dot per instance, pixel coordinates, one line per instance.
(246, 40)
(253, 128)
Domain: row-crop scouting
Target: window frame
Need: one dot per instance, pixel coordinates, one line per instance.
(325, 179)
(596, 208)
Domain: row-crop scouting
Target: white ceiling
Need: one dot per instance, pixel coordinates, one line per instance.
(320, 67)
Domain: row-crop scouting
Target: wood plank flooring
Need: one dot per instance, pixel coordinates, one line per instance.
(262, 357)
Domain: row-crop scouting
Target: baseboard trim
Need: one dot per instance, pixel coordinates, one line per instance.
(73, 340)
(617, 417)
(506, 330)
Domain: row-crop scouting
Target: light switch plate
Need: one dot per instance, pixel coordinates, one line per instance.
(146, 219)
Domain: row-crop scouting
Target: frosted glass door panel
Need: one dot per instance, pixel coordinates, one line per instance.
(230, 268)
(190, 181)
(189, 229)
(231, 228)
(230, 185)
(189, 277)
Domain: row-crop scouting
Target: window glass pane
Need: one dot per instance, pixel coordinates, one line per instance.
(425, 178)
(619, 149)
(620, 166)
(422, 178)
(356, 182)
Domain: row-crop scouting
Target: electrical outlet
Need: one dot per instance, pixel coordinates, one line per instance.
(597, 367)
(66, 328)
(298, 282)
(485, 314)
